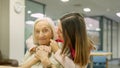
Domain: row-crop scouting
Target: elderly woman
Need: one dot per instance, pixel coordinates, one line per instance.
(41, 55)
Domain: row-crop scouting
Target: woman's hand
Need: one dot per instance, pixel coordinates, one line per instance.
(42, 52)
(44, 48)
(54, 45)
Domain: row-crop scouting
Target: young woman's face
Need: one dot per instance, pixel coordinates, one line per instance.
(43, 33)
(59, 31)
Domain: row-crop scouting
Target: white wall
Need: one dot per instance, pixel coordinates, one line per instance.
(17, 27)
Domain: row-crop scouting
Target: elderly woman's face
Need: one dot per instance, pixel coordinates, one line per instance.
(43, 33)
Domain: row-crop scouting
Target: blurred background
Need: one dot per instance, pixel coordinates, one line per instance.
(102, 19)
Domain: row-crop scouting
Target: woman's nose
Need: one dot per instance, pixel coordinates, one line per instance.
(41, 34)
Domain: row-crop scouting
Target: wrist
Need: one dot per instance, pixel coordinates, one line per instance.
(45, 59)
(46, 62)
(37, 57)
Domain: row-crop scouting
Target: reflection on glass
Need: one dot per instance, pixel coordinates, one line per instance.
(93, 30)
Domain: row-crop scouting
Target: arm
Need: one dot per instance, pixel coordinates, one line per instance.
(29, 63)
(39, 56)
(64, 60)
(28, 60)
(46, 62)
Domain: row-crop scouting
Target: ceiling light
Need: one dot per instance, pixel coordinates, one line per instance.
(30, 22)
(86, 9)
(37, 15)
(64, 0)
(118, 14)
(28, 11)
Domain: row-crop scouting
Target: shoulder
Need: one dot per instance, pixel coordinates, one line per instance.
(55, 63)
(65, 61)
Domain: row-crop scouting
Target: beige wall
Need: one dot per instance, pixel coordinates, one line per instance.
(0, 21)
(12, 30)
(4, 28)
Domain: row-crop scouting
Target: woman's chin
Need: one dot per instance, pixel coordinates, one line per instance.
(44, 44)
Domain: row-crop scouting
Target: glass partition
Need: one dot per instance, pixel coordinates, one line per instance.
(114, 40)
(33, 10)
(108, 35)
(93, 31)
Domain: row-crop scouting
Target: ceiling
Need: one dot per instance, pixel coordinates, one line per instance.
(55, 8)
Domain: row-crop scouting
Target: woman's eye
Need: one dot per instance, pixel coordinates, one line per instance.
(45, 30)
(37, 31)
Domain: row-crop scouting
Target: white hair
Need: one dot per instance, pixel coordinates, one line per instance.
(51, 24)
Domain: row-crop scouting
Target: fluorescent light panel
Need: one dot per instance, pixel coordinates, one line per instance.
(118, 14)
(65, 0)
(86, 9)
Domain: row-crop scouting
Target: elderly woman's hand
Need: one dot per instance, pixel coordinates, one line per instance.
(44, 48)
(42, 52)
(54, 45)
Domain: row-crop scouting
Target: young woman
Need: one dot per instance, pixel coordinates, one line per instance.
(75, 52)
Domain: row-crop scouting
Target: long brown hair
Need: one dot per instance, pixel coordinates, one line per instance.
(75, 36)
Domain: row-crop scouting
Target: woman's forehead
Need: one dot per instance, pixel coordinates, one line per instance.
(43, 24)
